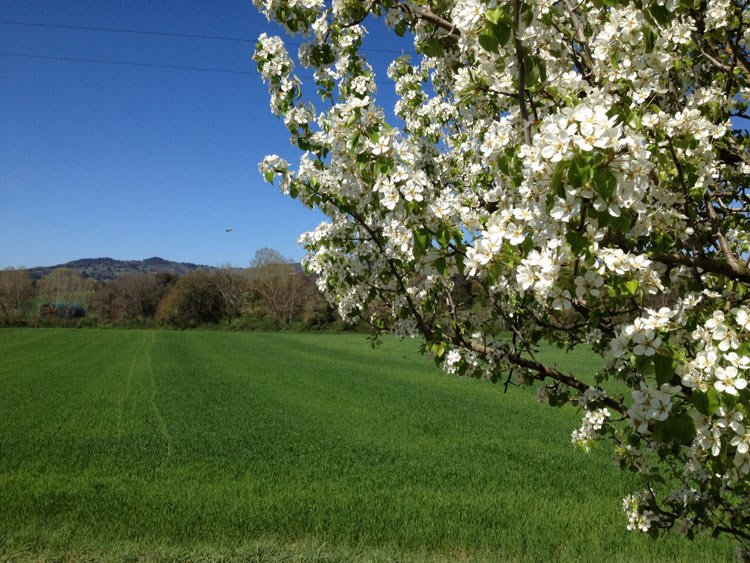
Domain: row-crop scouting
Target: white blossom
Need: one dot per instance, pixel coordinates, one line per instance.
(602, 202)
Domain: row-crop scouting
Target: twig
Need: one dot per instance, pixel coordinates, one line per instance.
(521, 73)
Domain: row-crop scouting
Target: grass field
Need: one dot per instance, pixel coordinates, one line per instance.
(157, 445)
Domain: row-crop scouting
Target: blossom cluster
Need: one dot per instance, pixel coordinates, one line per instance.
(276, 66)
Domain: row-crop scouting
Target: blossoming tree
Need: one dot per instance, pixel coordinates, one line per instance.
(583, 166)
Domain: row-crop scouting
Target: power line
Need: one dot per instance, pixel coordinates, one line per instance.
(127, 63)
(170, 34)
(148, 65)
(136, 31)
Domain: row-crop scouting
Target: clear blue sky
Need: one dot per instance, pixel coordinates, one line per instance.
(132, 162)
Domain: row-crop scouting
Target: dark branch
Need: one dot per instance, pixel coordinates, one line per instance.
(546, 371)
(521, 73)
(737, 271)
(431, 17)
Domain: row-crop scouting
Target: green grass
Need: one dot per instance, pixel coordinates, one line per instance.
(155, 445)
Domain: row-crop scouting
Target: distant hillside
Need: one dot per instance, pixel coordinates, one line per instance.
(102, 269)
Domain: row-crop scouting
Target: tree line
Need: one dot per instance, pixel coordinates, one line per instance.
(272, 293)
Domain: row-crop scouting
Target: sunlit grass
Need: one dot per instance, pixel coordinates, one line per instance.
(202, 445)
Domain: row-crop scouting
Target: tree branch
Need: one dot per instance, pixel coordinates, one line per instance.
(580, 36)
(732, 261)
(423, 326)
(429, 16)
(736, 271)
(546, 371)
(521, 73)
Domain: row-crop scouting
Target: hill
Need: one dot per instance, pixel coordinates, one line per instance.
(102, 269)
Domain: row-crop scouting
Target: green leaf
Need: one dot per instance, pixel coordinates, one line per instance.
(444, 236)
(440, 266)
(533, 75)
(527, 14)
(432, 48)
(631, 286)
(664, 367)
(605, 182)
(557, 179)
(679, 429)
(577, 241)
(422, 239)
(535, 71)
(620, 224)
(384, 168)
(644, 365)
(707, 402)
(580, 172)
(559, 399)
(634, 120)
(503, 164)
(495, 15)
(488, 41)
(352, 118)
(501, 32)
(459, 262)
(660, 13)
(526, 246)
(269, 176)
(727, 400)
(438, 349)
(603, 218)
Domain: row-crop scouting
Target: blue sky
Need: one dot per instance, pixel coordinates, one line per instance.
(132, 162)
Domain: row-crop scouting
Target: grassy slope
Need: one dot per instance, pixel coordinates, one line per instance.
(123, 444)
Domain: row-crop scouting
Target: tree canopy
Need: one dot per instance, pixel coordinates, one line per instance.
(585, 166)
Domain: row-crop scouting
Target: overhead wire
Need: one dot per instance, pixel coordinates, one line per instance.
(151, 65)
(174, 34)
(126, 63)
(155, 33)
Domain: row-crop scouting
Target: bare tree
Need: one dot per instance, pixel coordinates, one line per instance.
(63, 285)
(131, 297)
(192, 301)
(279, 284)
(16, 294)
(232, 284)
